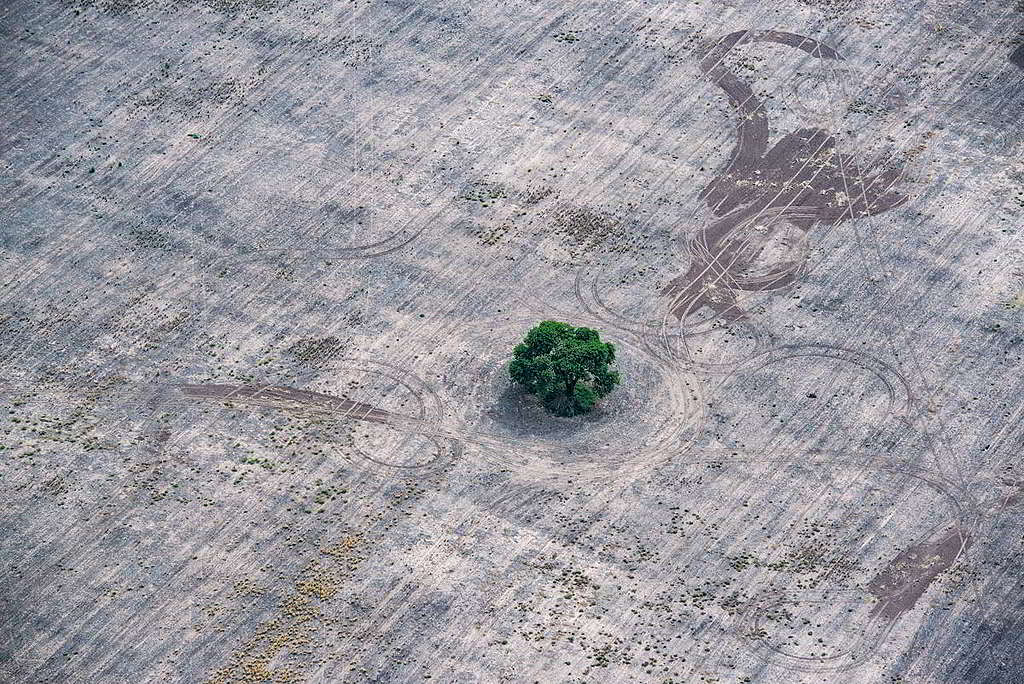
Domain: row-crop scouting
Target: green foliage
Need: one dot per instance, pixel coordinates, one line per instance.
(564, 366)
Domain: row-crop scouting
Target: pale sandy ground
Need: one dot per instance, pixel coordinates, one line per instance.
(264, 262)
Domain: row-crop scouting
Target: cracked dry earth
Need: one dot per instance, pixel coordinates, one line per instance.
(264, 263)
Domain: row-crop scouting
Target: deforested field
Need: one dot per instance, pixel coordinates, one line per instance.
(263, 264)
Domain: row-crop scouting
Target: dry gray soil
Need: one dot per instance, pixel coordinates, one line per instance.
(264, 262)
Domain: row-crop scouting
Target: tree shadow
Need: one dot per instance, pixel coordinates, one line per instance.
(522, 415)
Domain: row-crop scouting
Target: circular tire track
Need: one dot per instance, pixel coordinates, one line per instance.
(585, 460)
(750, 629)
(430, 410)
(425, 422)
(661, 336)
(902, 400)
(750, 625)
(608, 449)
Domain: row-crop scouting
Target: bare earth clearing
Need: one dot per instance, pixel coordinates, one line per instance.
(264, 263)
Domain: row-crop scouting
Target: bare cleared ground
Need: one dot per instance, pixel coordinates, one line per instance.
(264, 263)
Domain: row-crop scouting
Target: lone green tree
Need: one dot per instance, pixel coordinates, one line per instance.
(565, 367)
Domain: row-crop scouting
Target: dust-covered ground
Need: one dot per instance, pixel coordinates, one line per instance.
(264, 262)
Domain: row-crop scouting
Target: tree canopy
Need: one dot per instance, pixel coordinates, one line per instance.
(565, 367)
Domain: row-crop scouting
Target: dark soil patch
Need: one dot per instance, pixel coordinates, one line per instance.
(907, 577)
